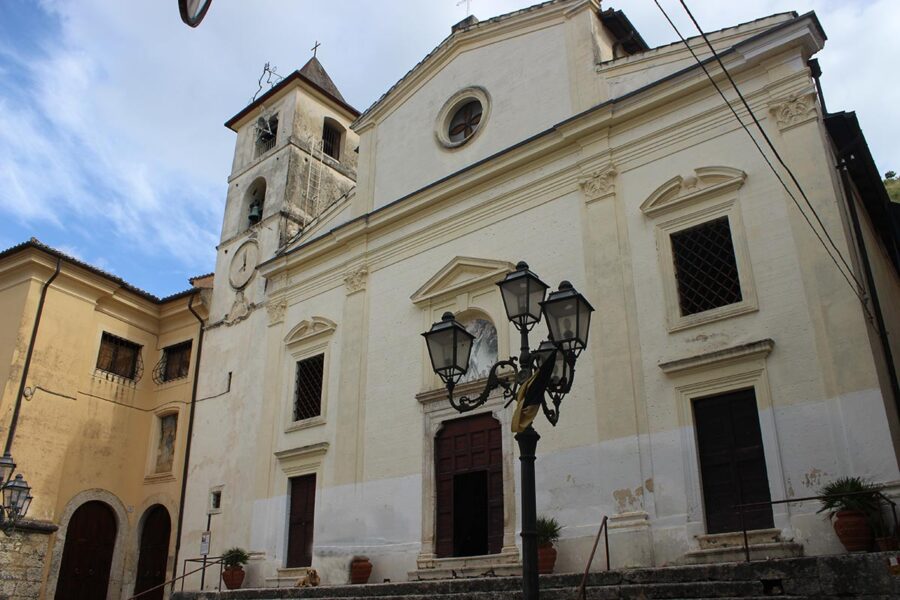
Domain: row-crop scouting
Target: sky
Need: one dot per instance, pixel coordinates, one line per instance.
(112, 144)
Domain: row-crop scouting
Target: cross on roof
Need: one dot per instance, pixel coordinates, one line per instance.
(468, 4)
(315, 48)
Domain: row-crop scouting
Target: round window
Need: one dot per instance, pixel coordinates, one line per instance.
(465, 121)
(462, 117)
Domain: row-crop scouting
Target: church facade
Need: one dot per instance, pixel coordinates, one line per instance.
(729, 360)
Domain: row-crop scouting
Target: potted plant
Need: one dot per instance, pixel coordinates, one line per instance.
(853, 514)
(548, 530)
(234, 560)
(360, 569)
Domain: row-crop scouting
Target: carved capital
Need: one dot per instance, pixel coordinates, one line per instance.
(355, 279)
(600, 183)
(276, 310)
(795, 110)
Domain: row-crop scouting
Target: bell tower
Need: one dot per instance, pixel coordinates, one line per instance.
(295, 157)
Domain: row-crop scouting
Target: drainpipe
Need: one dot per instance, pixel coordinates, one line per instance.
(870, 280)
(190, 432)
(34, 332)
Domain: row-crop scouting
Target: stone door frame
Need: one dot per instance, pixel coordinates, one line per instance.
(437, 411)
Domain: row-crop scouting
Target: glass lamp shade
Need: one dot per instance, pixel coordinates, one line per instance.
(7, 467)
(449, 346)
(568, 317)
(544, 351)
(523, 293)
(15, 496)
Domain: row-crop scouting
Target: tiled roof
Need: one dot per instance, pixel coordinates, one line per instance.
(315, 72)
(38, 245)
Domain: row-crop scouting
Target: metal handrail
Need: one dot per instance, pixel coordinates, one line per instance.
(741, 507)
(604, 529)
(217, 561)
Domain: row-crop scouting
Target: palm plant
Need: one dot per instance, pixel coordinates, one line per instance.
(548, 530)
(850, 494)
(235, 557)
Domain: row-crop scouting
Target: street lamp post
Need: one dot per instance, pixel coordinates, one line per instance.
(531, 379)
(16, 497)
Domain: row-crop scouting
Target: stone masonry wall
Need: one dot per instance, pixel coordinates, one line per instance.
(22, 556)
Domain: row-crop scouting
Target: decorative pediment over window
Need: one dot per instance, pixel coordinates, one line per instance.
(460, 275)
(313, 327)
(682, 191)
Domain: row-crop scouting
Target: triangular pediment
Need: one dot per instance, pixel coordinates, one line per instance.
(462, 274)
(703, 183)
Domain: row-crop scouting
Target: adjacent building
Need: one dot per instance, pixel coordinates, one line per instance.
(97, 421)
(734, 356)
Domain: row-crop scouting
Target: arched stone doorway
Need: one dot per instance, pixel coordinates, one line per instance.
(469, 484)
(88, 553)
(153, 556)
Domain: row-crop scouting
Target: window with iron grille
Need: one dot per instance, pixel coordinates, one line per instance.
(174, 364)
(119, 357)
(308, 387)
(705, 267)
(331, 140)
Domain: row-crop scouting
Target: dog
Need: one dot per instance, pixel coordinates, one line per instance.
(311, 579)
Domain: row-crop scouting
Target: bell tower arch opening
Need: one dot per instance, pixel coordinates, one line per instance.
(254, 201)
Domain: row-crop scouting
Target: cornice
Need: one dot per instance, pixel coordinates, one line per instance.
(715, 358)
(617, 115)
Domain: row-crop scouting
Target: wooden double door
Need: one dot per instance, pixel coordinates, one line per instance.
(301, 521)
(88, 553)
(153, 557)
(732, 461)
(469, 485)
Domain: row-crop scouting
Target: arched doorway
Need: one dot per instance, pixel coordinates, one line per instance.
(88, 552)
(469, 478)
(153, 557)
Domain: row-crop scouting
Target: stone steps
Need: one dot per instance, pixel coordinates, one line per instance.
(824, 577)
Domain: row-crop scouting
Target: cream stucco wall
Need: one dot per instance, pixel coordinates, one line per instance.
(589, 201)
(83, 434)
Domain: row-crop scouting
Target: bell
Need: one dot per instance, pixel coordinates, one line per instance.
(255, 213)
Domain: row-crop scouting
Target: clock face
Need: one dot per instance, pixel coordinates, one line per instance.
(243, 264)
(193, 11)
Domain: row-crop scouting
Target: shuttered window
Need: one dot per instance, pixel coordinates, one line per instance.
(119, 357)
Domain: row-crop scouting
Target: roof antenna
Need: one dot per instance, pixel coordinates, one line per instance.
(270, 74)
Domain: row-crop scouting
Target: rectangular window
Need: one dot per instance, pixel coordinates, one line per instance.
(165, 449)
(119, 356)
(308, 387)
(331, 141)
(175, 363)
(705, 267)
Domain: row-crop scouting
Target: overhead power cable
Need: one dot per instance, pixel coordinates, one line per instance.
(848, 274)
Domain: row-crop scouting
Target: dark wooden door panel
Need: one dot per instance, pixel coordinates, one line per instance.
(154, 553)
(469, 487)
(301, 521)
(732, 461)
(87, 554)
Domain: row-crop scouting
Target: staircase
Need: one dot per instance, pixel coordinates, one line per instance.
(819, 578)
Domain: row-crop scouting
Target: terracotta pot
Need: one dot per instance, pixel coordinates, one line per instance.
(852, 528)
(887, 543)
(233, 577)
(546, 559)
(360, 569)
